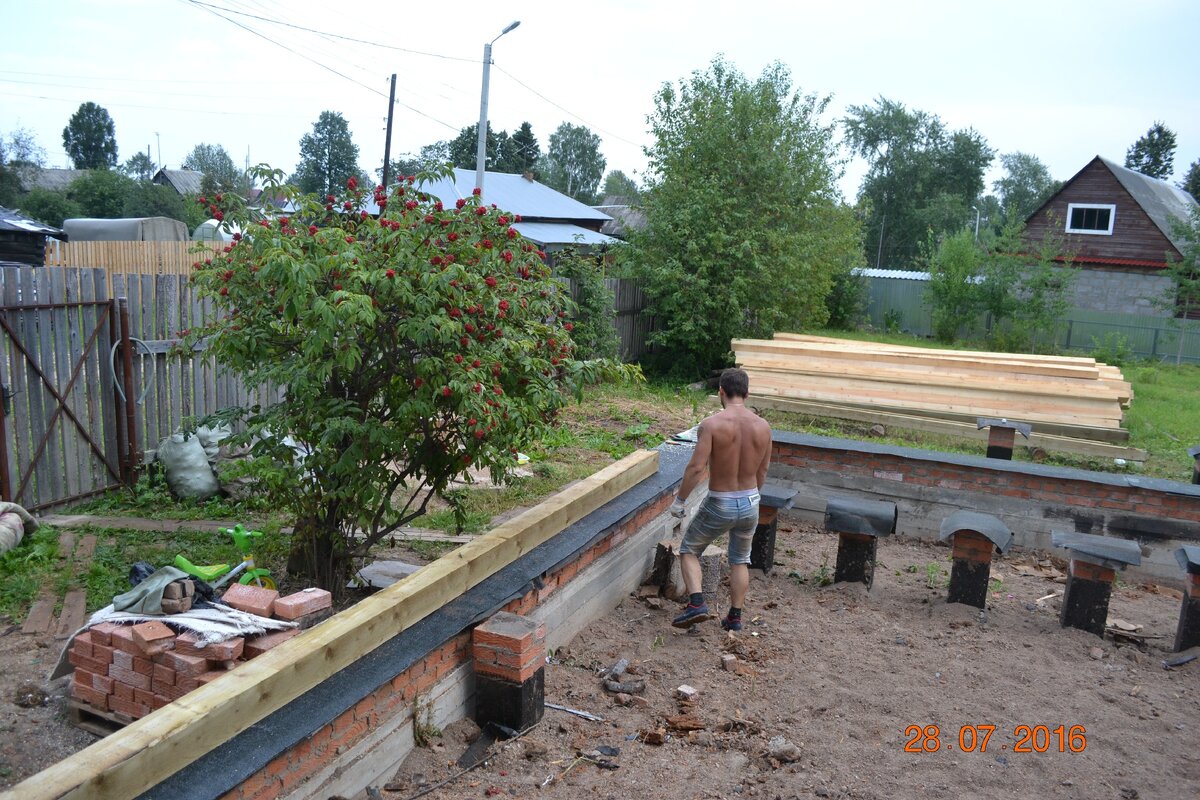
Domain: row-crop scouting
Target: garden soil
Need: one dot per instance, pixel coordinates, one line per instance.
(829, 689)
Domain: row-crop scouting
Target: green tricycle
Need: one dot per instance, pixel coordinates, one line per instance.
(217, 575)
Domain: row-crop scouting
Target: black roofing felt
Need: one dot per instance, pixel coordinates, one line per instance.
(225, 767)
(989, 526)
(1090, 544)
(857, 515)
(995, 464)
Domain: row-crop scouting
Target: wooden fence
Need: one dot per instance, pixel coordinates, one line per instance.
(129, 258)
(64, 430)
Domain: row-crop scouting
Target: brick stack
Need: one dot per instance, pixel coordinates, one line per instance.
(123, 672)
(510, 659)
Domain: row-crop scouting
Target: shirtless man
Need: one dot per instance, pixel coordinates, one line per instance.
(734, 447)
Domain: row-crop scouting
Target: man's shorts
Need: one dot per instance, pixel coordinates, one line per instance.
(718, 515)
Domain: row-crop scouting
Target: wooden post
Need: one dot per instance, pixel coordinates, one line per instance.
(855, 559)
(762, 549)
(1188, 633)
(1000, 442)
(510, 671)
(132, 457)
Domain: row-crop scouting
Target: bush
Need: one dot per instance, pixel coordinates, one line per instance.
(847, 301)
(595, 333)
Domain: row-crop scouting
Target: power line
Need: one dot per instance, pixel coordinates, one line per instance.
(333, 35)
(139, 91)
(210, 10)
(139, 79)
(157, 108)
(564, 110)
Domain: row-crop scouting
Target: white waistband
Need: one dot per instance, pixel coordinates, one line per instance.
(735, 495)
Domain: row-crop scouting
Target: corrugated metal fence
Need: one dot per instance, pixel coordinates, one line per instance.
(899, 304)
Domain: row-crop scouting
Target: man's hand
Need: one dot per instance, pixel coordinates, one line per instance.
(678, 510)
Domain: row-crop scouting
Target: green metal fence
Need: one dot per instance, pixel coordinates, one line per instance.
(899, 304)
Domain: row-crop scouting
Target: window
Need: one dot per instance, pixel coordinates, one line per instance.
(1090, 218)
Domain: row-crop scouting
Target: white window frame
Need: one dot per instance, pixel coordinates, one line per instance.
(1112, 218)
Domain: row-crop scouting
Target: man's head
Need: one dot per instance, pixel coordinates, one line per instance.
(735, 383)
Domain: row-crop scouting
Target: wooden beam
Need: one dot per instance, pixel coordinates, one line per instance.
(126, 763)
(1028, 357)
(961, 430)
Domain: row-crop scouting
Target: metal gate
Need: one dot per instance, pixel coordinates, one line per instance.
(64, 434)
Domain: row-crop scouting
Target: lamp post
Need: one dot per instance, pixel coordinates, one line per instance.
(481, 147)
(976, 210)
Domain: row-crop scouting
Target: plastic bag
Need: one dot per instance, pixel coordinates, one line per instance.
(188, 472)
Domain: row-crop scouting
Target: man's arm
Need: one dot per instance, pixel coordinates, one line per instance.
(694, 474)
(766, 461)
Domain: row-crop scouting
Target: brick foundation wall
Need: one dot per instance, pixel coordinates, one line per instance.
(394, 700)
(1031, 498)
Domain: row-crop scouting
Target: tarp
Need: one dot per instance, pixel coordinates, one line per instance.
(133, 229)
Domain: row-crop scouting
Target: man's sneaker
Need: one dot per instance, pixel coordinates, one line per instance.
(731, 624)
(691, 615)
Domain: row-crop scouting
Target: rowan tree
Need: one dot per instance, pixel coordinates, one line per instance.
(412, 346)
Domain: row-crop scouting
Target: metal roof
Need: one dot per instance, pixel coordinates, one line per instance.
(15, 221)
(514, 193)
(898, 274)
(561, 233)
(1160, 200)
(184, 181)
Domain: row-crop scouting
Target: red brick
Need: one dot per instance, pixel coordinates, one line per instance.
(102, 633)
(159, 702)
(122, 659)
(206, 678)
(506, 658)
(973, 546)
(1193, 585)
(188, 644)
(510, 632)
(127, 707)
(122, 639)
(257, 645)
(122, 690)
(167, 690)
(143, 697)
(153, 636)
(1091, 572)
(102, 683)
(251, 599)
(91, 696)
(505, 673)
(186, 683)
(183, 665)
(129, 677)
(305, 601)
(83, 662)
(163, 674)
(102, 652)
(83, 645)
(143, 666)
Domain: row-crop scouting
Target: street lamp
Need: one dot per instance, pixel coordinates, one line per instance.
(976, 210)
(481, 147)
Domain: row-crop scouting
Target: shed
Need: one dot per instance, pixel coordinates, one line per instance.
(133, 229)
(23, 240)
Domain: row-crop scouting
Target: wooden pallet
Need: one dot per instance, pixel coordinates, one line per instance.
(93, 720)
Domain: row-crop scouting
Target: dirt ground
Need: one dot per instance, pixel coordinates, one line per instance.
(828, 682)
(825, 687)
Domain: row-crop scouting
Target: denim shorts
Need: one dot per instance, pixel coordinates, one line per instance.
(719, 515)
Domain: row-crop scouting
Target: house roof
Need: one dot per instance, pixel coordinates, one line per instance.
(17, 222)
(184, 181)
(514, 193)
(56, 180)
(626, 216)
(1160, 200)
(550, 234)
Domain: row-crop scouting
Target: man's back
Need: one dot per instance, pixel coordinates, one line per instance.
(741, 444)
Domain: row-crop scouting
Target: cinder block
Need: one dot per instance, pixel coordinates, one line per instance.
(251, 599)
(257, 645)
(153, 637)
(188, 644)
(305, 601)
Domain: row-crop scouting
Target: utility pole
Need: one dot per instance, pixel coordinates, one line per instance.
(481, 146)
(159, 141)
(387, 142)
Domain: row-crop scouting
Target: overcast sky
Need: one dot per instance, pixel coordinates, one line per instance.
(1064, 81)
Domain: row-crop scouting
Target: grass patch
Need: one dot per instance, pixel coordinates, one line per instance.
(25, 569)
(150, 498)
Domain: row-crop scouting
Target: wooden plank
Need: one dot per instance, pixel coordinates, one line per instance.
(960, 399)
(74, 610)
(102, 408)
(17, 422)
(41, 615)
(967, 359)
(154, 327)
(1032, 358)
(37, 487)
(124, 764)
(63, 322)
(960, 430)
(168, 309)
(817, 407)
(932, 376)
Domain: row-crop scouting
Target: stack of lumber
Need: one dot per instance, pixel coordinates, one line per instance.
(1074, 405)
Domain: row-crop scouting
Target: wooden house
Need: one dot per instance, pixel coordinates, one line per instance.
(1117, 225)
(23, 240)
